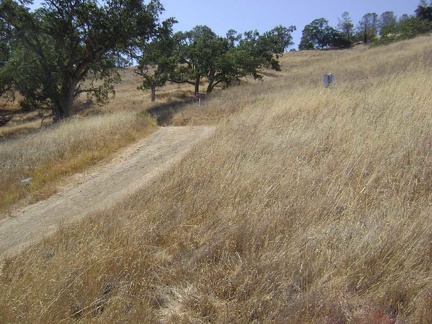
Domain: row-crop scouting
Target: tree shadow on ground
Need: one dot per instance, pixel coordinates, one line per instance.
(164, 112)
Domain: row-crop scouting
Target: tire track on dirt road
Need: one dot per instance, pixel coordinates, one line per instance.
(100, 189)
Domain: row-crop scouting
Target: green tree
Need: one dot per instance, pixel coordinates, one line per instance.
(368, 27)
(346, 26)
(197, 52)
(157, 61)
(315, 35)
(306, 43)
(251, 51)
(5, 46)
(403, 17)
(424, 11)
(387, 22)
(70, 47)
(249, 55)
(412, 26)
(274, 43)
(318, 34)
(233, 38)
(201, 54)
(5, 52)
(407, 27)
(241, 59)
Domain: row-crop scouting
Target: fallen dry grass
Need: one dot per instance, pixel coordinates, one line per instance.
(308, 205)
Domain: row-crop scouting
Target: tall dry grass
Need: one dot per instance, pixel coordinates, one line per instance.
(69, 147)
(47, 155)
(309, 205)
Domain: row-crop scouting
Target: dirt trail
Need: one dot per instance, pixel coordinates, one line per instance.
(130, 170)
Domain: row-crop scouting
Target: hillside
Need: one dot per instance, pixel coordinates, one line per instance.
(307, 205)
(126, 98)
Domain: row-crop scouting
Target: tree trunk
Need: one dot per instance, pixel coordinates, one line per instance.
(153, 92)
(211, 79)
(210, 84)
(62, 107)
(209, 88)
(197, 83)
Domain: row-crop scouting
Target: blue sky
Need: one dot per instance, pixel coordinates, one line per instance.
(263, 15)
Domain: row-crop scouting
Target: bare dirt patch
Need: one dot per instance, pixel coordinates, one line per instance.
(105, 186)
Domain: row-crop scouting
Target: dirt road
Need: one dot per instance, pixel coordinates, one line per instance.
(130, 170)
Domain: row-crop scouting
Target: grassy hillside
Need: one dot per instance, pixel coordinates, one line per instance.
(28, 149)
(307, 205)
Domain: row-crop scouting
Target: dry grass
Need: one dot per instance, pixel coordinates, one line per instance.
(50, 154)
(309, 205)
(27, 150)
(127, 98)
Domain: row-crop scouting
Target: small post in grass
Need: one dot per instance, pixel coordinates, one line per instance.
(329, 80)
(200, 96)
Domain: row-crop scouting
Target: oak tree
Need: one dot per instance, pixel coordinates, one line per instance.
(204, 55)
(157, 61)
(319, 35)
(70, 47)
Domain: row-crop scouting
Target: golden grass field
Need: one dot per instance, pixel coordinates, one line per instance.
(308, 205)
(76, 144)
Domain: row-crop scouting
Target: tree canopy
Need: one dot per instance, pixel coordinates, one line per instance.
(201, 54)
(368, 27)
(387, 20)
(157, 61)
(372, 29)
(424, 11)
(62, 49)
(197, 54)
(67, 48)
(346, 26)
(407, 26)
(319, 35)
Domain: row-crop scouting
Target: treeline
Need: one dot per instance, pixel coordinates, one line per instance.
(68, 48)
(191, 56)
(371, 29)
